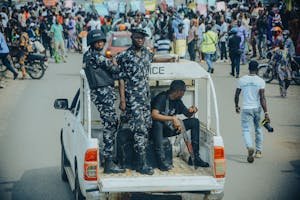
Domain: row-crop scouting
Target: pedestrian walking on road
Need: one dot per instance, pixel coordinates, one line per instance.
(4, 54)
(191, 40)
(99, 72)
(253, 92)
(57, 33)
(208, 47)
(234, 52)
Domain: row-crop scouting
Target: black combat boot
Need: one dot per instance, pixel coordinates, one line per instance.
(198, 162)
(143, 168)
(111, 167)
(161, 162)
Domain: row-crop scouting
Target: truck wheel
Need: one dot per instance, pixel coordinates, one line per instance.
(77, 192)
(191, 196)
(63, 163)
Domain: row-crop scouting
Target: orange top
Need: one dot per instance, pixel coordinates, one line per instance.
(83, 34)
(60, 19)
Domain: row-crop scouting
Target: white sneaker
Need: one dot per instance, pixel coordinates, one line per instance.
(258, 154)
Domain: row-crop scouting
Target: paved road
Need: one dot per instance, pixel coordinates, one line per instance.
(30, 153)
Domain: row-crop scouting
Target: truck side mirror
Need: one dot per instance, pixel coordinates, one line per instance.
(61, 104)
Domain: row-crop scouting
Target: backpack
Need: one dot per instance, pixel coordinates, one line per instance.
(127, 157)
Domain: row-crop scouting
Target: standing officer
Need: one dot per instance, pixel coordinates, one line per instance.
(100, 71)
(135, 93)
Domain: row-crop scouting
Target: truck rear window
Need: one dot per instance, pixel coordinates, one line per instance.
(121, 41)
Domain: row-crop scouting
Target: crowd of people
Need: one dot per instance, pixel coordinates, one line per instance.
(234, 33)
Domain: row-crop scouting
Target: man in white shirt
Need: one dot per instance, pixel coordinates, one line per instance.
(4, 18)
(94, 23)
(186, 26)
(223, 39)
(253, 92)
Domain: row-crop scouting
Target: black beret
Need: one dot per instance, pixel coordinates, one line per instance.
(140, 31)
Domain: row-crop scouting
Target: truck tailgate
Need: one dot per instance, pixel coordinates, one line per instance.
(181, 178)
(159, 184)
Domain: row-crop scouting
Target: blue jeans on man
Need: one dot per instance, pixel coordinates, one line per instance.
(7, 63)
(248, 117)
(209, 62)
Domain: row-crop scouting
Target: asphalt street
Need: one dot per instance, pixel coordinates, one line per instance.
(30, 147)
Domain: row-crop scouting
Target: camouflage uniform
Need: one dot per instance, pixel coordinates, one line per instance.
(135, 73)
(104, 98)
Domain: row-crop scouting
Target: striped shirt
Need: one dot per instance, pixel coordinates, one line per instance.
(162, 46)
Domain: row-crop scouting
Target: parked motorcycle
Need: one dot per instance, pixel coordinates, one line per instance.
(268, 71)
(35, 64)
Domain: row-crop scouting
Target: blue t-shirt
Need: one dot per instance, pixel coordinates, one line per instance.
(3, 45)
(57, 29)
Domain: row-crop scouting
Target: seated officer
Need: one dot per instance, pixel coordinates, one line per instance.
(165, 107)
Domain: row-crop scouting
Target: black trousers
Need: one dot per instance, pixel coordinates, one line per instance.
(160, 130)
(235, 63)
(223, 50)
(47, 44)
(191, 50)
(6, 62)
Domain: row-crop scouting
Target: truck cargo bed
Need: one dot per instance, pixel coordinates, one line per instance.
(181, 177)
(180, 168)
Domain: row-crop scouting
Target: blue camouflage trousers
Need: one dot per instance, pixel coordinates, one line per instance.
(104, 99)
(140, 121)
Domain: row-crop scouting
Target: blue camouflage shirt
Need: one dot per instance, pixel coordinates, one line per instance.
(134, 70)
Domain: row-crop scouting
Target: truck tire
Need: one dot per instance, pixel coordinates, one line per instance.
(202, 196)
(77, 191)
(63, 163)
(191, 196)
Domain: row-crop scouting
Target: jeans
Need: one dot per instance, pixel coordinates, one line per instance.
(243, 55)
(223, 50)
(235, 63)
(60, 45)
(6, 62)
(261, 44)
(160, 130)
(208, 57)
(191, 50)
(249, 116)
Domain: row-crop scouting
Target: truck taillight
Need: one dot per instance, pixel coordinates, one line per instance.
(91, 165)
(219, 162)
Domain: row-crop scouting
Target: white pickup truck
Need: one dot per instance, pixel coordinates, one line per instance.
(80, 159)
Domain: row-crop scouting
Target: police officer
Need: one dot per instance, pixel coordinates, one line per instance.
(100, 73)
(135, 93)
